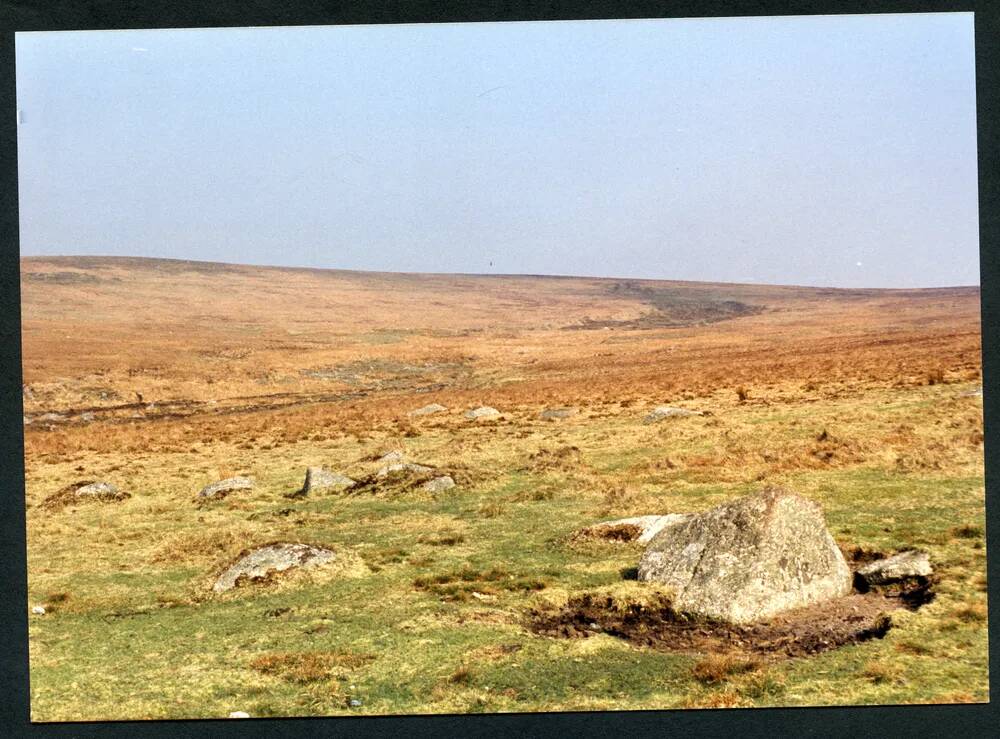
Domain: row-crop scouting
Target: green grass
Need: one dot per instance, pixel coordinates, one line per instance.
(132, 632)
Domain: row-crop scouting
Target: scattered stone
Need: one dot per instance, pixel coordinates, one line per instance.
(391, 469)
(318, 478)
(38, 610)
(355, 703)
(222, 488)
(394, 456)
(748, 559)
(428, 409)
(558, 413)
(667, 411)
(239, 714)
(100, 491)
(84, 491)
(263, 562)
(482, 412)
(638, 528)
(87, 417)
(439, 484)
(896, 568)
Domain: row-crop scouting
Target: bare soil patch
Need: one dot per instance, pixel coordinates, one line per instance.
(852, 619)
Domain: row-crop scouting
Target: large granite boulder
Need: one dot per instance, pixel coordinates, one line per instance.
(263, 563)
(749, 559)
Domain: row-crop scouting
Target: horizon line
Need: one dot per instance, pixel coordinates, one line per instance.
(977, 286)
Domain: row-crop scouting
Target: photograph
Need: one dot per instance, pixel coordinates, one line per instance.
(501, 367)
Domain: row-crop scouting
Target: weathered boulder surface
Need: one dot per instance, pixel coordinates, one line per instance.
(401, 467)
(667, 411)
(896, 568)
(439, 484)
(558, 413)
(318, 478)
(483, 411)
(749, 559)
(261, 563)
(222, 488)
(390, 457)
(100, 491)
(428, 409)
(646, 526)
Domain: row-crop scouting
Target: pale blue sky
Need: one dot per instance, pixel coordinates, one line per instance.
(814, 150)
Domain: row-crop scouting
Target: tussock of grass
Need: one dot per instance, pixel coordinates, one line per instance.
(308, 667)
(717, 668)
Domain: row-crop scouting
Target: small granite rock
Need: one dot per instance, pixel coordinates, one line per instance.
(239, 714)
(391, 469)
(558, 413)
(482, 412)
(439, 484)
(898, 567)
(38, 610)
(100, 491)
(222, 488)
(318, 478)
(428, 409)
(648, 526)
(260, 563)
(389, 458)
(667, 411)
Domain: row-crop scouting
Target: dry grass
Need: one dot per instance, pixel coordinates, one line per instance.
(308, 667)
(828, 393)
(717, 668)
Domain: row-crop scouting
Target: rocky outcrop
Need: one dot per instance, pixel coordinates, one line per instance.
(749, 559)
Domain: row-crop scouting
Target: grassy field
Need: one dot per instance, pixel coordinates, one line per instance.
(162, 377)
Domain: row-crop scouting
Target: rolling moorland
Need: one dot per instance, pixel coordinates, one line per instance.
(163, 376)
